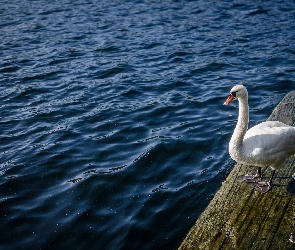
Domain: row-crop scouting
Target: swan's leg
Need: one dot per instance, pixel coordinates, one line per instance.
(252, 178)
(264, 187)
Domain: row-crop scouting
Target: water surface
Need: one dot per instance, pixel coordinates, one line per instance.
(113, 132)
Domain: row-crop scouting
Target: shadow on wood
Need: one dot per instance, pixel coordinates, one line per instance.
(239, 217)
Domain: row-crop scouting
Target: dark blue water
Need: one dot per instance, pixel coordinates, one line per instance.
(113, 132)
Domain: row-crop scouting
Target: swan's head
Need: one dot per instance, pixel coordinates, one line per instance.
(238, 91)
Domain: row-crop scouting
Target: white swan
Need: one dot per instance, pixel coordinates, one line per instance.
(266, 144)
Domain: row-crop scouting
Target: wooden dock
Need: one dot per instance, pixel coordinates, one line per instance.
(239, 217)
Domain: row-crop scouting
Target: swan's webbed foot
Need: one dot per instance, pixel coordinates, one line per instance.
(251, 178)
(262, 187)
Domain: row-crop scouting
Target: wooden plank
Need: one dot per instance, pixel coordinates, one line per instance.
(239, 217)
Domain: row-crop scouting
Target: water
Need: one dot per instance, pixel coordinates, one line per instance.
(113, 132)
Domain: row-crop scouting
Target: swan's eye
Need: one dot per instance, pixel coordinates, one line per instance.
(234, 93)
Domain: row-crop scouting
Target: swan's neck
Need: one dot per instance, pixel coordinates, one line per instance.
(236, 142)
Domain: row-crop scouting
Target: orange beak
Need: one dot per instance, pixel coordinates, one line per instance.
(229, 99)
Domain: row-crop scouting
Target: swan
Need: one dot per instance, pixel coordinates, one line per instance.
(268, 143)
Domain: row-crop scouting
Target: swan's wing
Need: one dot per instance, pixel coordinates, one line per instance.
(269, 142)
(269, 127)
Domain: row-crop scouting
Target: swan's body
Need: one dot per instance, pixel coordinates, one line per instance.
(266, 144)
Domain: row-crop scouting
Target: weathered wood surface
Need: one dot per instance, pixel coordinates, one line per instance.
(239, 217)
